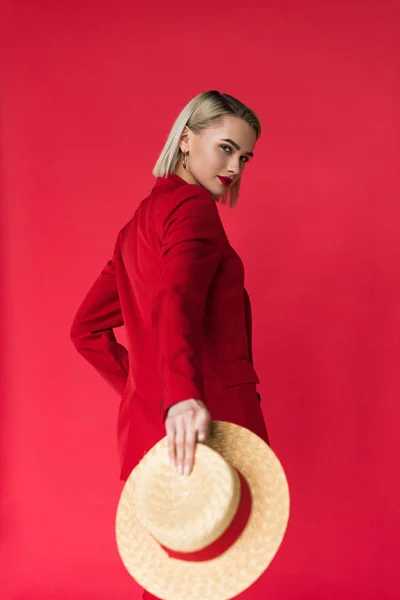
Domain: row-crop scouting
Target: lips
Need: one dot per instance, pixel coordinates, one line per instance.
(226, 181)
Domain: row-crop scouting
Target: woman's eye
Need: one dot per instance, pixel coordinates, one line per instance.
(228, 150)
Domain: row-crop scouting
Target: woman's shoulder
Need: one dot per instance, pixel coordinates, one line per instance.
(173, 185)
(173, 194)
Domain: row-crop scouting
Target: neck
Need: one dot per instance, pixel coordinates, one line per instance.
(185, 174)
(188, 177)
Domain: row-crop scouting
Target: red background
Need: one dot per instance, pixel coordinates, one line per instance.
(89, 92)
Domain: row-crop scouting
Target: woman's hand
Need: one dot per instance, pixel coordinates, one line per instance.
(187, 422)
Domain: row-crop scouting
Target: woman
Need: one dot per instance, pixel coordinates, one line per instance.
(177, 285)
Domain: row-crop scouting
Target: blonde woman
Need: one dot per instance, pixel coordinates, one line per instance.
(177, 285)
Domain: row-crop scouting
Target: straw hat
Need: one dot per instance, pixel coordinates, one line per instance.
(209, 535)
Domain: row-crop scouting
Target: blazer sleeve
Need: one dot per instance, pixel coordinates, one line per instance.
(190, 233)
(92, 330)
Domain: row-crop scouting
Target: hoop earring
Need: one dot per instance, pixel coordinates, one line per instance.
(185, 160)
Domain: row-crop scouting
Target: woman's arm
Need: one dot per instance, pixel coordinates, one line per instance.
(92, 330)
(191, 235)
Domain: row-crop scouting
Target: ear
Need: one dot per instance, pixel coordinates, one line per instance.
(184, 142)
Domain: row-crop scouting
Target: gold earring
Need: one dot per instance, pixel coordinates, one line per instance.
(185, 160)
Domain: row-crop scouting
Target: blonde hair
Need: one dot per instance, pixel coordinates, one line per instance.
(204, 110)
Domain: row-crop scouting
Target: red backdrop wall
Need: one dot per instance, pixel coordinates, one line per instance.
(89, 92)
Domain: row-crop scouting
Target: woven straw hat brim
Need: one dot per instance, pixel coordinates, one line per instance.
(239, 567)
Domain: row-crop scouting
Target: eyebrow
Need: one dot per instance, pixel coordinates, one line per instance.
(237, 146)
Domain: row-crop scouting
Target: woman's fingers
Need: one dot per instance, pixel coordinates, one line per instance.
(187, 422)
(203, 427)
(180, 439)
(170, 428)
(189, 447)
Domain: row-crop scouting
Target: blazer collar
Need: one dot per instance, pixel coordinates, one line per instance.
(170, 180)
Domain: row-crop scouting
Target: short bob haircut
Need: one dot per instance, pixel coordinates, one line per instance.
(203, 111)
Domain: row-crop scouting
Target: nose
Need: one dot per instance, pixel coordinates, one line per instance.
(234, 166)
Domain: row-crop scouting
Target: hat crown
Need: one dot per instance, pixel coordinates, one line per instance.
(187, 513)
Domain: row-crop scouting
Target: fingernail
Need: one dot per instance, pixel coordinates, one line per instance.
(187, 470)
(180, 470)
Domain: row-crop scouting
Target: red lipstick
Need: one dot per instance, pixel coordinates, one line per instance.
(226, 181)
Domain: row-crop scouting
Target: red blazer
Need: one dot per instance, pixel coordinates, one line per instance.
(177, 285)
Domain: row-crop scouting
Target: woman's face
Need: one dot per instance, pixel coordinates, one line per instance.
(220, 151)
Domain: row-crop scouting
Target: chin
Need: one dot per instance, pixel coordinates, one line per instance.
(222, 193)
(219, 190)
(216, 190)
(219, 195)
